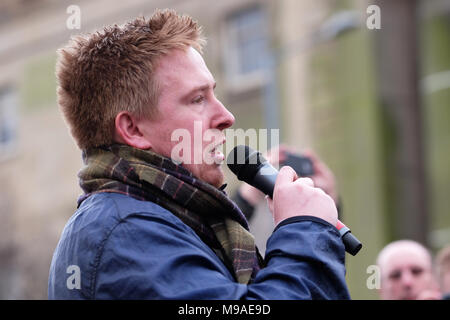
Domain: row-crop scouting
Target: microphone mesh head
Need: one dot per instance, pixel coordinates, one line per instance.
(245, 162)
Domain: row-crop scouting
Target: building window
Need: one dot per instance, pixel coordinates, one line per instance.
(246, 48)
(8, 122)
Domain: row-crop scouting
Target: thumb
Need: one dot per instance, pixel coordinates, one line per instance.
(286, 176)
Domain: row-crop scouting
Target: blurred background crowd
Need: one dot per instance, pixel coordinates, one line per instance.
(373, 103)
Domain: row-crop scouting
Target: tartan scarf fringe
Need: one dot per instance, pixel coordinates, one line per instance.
(145, 175)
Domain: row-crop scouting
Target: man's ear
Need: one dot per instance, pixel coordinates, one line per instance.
(126, 130)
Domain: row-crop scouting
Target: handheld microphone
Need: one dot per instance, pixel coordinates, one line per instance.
(251, 167)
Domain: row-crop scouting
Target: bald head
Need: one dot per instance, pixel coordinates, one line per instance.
(403, 247)
(406, 270)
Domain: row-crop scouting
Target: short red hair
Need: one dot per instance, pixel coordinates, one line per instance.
(104, 73)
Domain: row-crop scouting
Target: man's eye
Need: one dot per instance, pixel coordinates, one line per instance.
(416, 271)
(198, 99)
(395, 275)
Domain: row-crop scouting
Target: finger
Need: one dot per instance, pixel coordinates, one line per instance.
(285, 151)
(318, 180)
(310, 154)
(273, 156)
(282, 155)
(286, 176)
(313, 157)
(318, 165)
(305, 181)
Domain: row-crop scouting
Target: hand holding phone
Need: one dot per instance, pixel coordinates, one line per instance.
(302, 165)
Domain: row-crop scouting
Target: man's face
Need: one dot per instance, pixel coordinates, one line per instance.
(190, 120)
(405, 274)
(445, 283)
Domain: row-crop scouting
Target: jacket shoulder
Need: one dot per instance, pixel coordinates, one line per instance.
(120, 206)
(81, 246)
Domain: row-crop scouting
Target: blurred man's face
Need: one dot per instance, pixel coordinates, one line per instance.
(190, 124)
(445, 283)
(406, 272)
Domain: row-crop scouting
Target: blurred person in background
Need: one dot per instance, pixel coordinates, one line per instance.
(443, 271)
(406, 270)
(151, 227)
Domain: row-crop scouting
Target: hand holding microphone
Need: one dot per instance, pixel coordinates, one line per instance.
(292, 196)
(295, 196)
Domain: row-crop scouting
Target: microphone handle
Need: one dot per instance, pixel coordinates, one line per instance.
(265, 182)
(351, 243)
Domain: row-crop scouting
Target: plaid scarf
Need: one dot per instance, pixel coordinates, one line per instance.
(145, 175)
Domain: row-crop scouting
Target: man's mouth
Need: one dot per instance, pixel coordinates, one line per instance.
(217, 153)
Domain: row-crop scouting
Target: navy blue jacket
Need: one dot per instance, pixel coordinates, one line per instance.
(117, 247)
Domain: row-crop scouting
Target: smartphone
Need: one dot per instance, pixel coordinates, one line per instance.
(302, 165)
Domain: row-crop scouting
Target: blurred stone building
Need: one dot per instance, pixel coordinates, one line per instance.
(306, 67)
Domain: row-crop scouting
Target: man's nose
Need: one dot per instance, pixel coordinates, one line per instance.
(223, 118)
(407, 279)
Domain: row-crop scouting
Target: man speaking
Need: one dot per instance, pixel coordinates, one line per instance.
(149, 226)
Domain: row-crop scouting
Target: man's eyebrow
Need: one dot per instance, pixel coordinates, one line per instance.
(202, 88)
